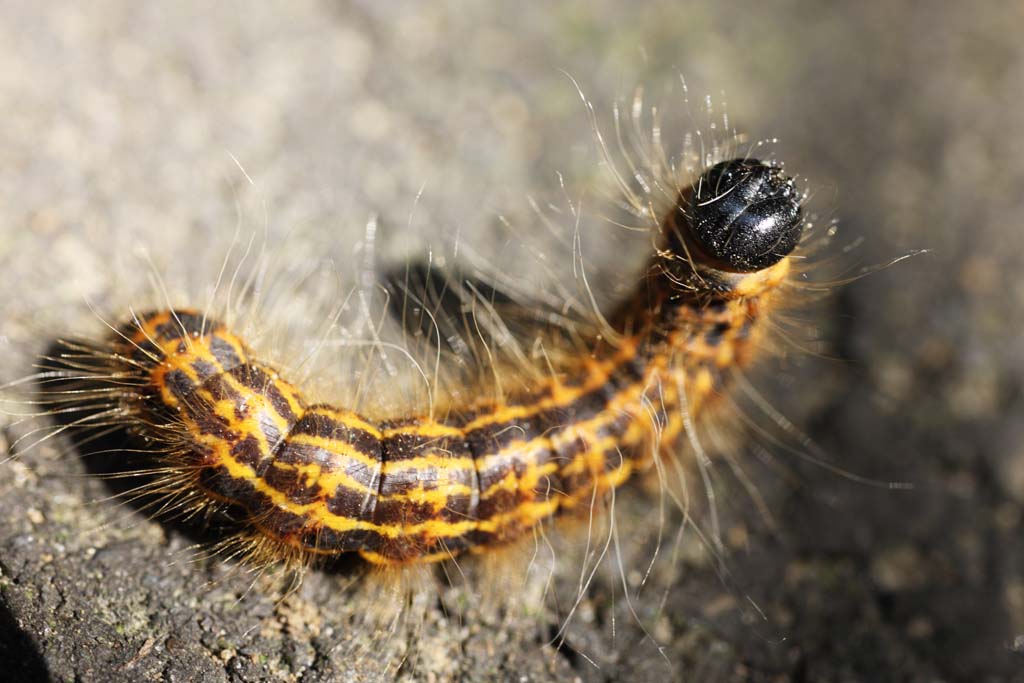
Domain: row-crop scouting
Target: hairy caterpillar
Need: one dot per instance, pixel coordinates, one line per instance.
(313, 479)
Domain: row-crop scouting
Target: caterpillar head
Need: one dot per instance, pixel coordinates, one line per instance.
(741, 216)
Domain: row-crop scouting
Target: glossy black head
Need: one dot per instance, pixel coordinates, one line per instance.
(744, 215)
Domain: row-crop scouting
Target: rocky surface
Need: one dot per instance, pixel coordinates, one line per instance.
(122, 123)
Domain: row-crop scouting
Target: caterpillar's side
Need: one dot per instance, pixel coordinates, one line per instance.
(309, 479)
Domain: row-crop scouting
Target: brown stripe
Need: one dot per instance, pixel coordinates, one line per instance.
(404, 548)
(207, 422)
(346, 502)
(248, 451)
(279, 523)
(328, 540)
(292, 484)
(402, 511)
(565, 453)
(240, 492)
(405, 446)
(401, 482)
(183, 324)
(222, 390)
(144, 352)
(224, 353)
(257, 378)
(322, 425)
(179, 384)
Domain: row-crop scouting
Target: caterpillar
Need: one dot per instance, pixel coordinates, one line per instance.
(315, 480)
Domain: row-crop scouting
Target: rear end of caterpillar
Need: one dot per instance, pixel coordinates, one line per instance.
(311, 479)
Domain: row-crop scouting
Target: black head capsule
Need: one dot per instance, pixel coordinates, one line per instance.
(745, 215)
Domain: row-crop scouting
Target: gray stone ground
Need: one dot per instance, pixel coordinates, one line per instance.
(118, 118)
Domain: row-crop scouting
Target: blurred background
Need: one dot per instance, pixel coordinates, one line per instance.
(121, 126)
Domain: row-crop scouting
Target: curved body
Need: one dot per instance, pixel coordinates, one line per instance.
(324, 480)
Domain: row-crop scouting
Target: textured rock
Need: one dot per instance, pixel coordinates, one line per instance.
(120, 124)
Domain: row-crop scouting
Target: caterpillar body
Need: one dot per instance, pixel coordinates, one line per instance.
(312, 479)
